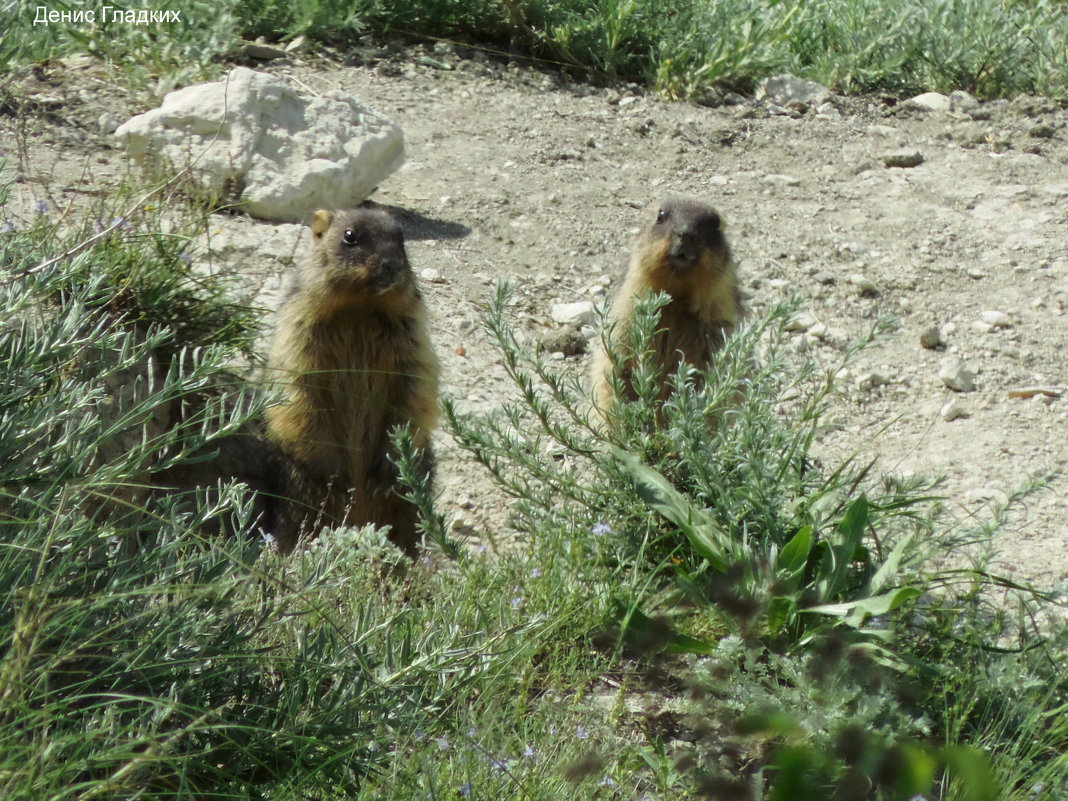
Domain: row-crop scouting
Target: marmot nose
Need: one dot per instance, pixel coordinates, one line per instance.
(684, 244)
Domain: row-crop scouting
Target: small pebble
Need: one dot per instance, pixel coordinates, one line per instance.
(865, 286)
(996, 319)
(953, 410)
(903, 159)
(430, 275)
(956, 375)
(802, 321)
(932, 338)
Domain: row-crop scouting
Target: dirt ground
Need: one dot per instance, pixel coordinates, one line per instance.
(522, 173)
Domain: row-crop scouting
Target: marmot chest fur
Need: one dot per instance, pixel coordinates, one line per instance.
(353, 360)
(681, 251)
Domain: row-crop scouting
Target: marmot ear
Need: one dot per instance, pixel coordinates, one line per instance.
(320, 222)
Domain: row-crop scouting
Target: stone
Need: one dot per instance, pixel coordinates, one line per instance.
(957, 375)
(431, 276)
(962, 101)
(996, 319)
(791, 89)
(953, 410)
(568, 340)
(903, 159)
(928, 101)
(931, 338)
(578, 314)
(864, 285)
(273, 151)
(802, 321)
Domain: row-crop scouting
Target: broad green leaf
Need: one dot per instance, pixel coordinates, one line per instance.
(854, 611)
(704, 534)
(790, 566)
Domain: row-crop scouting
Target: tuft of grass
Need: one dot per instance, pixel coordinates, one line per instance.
(682, 49)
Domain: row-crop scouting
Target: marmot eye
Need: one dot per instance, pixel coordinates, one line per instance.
(661, 216)
(350, 237)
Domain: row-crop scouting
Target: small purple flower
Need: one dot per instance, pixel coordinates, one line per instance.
(465, 789)
(552, 729)
(606, 781)
(183, 256)
(498, 765)
(528, 752)
(600, 529)
(267, 539)
(120, 222)
(535, 572)
(442, 743)
(7, 227)
(40, 207)
(472, 732)
(517, 602)
(426, 561)
(419, 735)
(581, 733)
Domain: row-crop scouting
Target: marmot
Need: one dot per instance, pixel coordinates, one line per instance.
(353, 359)
(681, 251)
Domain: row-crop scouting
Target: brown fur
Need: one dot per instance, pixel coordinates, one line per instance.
(353, 359)
(681, 251)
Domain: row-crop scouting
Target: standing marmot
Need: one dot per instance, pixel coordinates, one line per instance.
(353, 359)
(681, 251)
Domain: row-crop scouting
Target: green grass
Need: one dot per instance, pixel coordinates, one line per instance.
(992, 48)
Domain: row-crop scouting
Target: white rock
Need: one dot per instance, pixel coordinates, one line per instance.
(956, 374)
(789, 88)
(782, 180)
(277, 152)
(802, 321)
(871, 379)
(996, 319)
(954, 409)
(579, 313)
(928, 101)
(962, 101)
(818, 331)
(430, 275)
(864, 285)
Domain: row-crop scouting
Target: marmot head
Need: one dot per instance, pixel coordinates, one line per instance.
(682, 243)
(359, 251)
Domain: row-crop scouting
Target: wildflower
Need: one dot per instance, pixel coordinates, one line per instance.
(7, 228)
(465, 789)
(498, 765)
(606, 781)
(442, 743)
(40, 207)
(419, 735)
(185, 257)
(528, 752)
(581, 733)
(600, 529)
(517, 602)
(426, 561)
(535, 572)
(472, 732)
(552, 728)
(267, 539)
